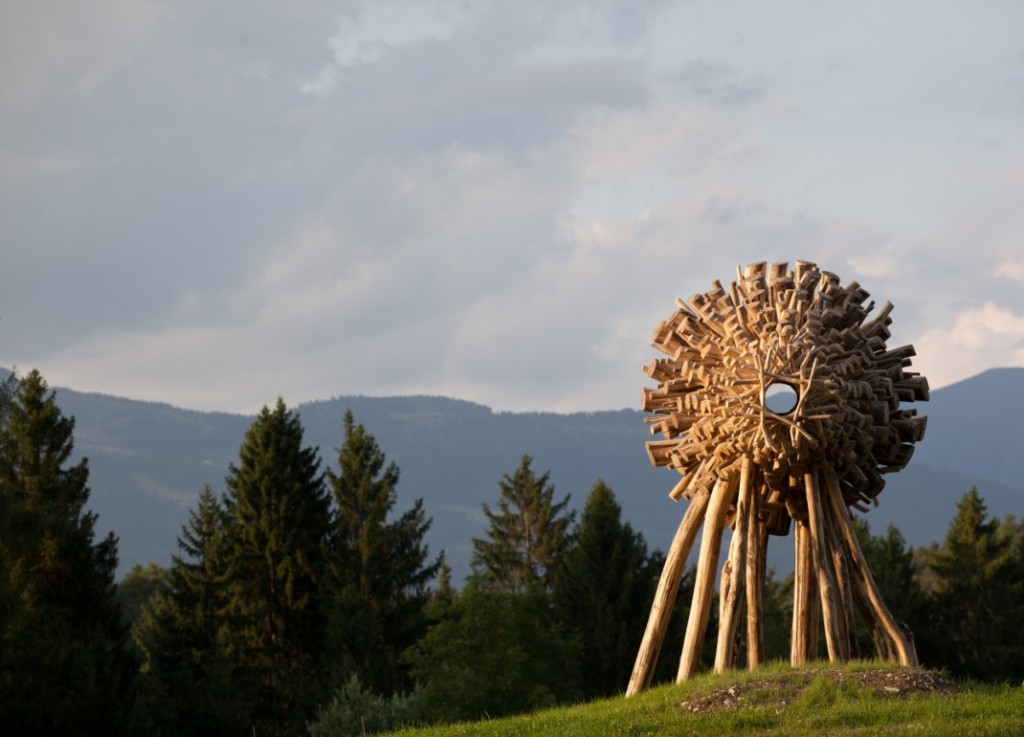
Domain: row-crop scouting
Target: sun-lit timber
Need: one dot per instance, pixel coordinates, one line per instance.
(779, 405)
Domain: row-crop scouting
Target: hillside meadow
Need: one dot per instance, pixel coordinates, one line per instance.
(859, 698)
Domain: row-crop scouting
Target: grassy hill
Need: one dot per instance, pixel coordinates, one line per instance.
(821, 699)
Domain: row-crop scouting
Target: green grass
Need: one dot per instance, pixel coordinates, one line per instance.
(819, 700)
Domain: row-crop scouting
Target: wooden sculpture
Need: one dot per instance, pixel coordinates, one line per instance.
(779, 405)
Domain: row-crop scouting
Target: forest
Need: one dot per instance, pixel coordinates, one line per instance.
(301, 602)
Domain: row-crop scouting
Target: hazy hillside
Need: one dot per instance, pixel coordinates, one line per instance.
(978, 424)
(149, 461)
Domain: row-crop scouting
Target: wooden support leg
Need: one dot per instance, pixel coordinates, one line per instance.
(704, 586)
(879, 637)
(862, 579)
(757, 548)
(804, 638)
(844, 585)
(836, 638)
(665, 596)
(733, 577)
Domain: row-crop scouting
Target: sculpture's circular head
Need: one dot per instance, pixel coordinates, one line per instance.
(784, 367)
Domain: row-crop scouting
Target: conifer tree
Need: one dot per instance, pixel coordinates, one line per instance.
(189, 684)
(64, 666)
(279, 516)
(605, 593)
(380, 568)
(527, 536)
(975, 625)
(501, 634)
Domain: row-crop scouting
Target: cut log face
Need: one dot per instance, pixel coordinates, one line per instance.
(780, 406)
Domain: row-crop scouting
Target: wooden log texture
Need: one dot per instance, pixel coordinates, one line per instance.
(802, 327)
(804, 638)
(861, 576)
(833, 613)
(665, 596)
(836, 550)
(757, 548)
(704, 585)
(733, 582)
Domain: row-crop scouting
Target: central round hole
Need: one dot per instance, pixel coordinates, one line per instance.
(780, 397)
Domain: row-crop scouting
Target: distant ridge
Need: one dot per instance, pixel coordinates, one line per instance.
(149, 460)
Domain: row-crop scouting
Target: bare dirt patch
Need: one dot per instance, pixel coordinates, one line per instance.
(782, 690)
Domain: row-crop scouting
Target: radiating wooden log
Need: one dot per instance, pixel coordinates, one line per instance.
(733, 581)
(704, 585)
(861, 576)
(665, 596)
(836, 637)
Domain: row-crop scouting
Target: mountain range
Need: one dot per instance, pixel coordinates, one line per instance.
(148, 462)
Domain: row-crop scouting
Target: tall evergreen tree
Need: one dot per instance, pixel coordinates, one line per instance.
(64, 667)
(606, 592)
(189, 684)
(380, 567)
(527, 536)
(975, 625)
(279, 514)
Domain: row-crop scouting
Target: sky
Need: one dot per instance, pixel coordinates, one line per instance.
(215, 204)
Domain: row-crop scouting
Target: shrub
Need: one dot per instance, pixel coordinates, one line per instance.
(356, 710)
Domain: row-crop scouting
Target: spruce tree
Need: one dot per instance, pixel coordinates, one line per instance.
(527, 536)
(606, 592)
(380, 568)
(189, 684)
(973, 607)
(279, 514)
(64, 665)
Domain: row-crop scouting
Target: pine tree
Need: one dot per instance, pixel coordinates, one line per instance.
(527, 536)
(279, 513)
(380, 570)
(189, 684)
(64, 665)
(973, 607)
(606, 592)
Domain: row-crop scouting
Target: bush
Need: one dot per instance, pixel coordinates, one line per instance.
(356, 710)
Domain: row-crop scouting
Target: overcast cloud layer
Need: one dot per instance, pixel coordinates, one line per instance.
(215, 204)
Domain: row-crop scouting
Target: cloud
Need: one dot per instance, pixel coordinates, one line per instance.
(48, 50)
(490, 200)
(718, 84)
(979, 338)
(376, 28)
(1010, 270)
